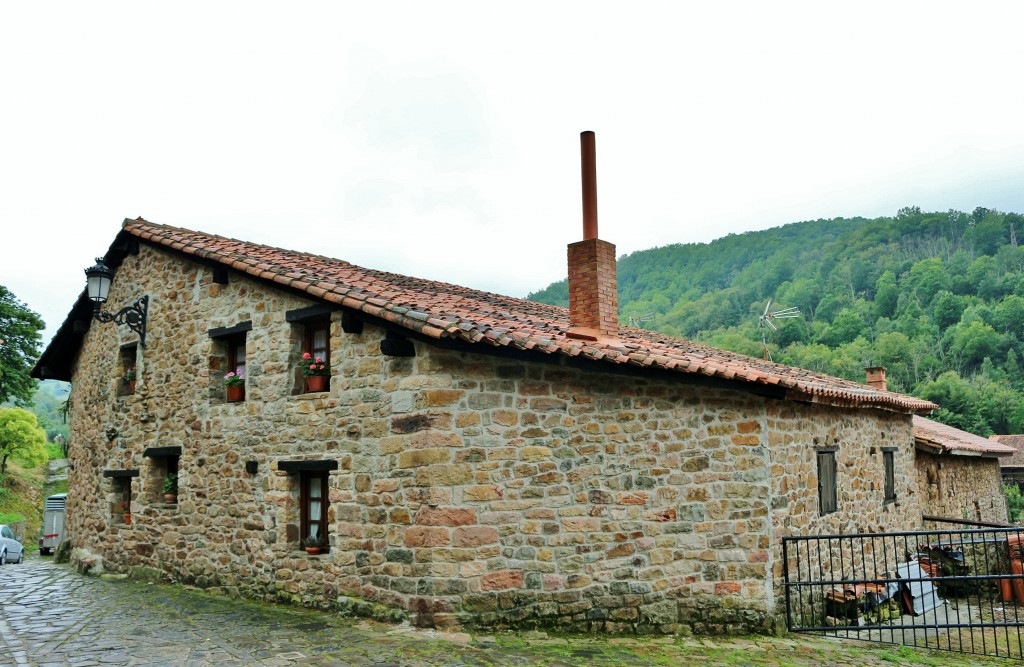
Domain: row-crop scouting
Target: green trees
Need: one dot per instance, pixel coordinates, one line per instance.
(935, 297)
(21, 437)
(19, 348)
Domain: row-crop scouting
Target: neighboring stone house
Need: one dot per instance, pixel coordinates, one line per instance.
(958, 473)
(1012, 467)
(476, 459)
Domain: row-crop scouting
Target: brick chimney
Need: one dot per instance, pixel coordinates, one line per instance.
(593, 294)
(876, 378)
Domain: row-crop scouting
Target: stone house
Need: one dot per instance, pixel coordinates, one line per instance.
(475, 459)
(1012, 466)
(958, 473)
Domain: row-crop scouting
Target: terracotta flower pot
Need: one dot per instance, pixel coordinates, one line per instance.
(313, 551)
(316, 383)
(131, 386)
(127, 519)
(236, 393)
(170, 498)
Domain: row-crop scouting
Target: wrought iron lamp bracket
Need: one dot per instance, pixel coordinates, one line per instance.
(134, 316)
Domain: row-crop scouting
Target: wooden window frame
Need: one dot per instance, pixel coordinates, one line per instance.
(310, 329)
(828, 499)
(236, 347)
(305, 523)
(889, 467)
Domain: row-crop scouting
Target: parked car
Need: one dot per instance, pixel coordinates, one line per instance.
(11, 550)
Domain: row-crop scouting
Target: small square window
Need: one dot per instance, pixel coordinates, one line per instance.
(828, 500)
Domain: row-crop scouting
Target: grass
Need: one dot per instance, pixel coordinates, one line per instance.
(21, 500)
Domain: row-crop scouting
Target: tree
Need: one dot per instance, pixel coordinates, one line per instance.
(21, 436)
(19, 348)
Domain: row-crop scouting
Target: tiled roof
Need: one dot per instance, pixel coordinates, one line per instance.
(955, 441)
(1015, 442)
(443, 311)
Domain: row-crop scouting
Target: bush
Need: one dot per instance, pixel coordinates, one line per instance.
(1014, 502)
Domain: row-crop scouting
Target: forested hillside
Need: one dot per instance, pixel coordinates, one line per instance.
(936, 298)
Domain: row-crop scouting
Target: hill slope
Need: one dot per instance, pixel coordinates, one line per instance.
(937, 298)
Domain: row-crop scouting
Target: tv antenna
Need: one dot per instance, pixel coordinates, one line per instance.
(766, 321)
(635, 320)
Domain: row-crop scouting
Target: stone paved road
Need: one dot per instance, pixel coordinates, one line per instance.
(49, 615)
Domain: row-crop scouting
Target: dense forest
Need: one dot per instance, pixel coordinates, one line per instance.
(936, 298)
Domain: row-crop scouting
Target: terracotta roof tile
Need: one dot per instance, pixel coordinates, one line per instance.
(955, 441)
(441, 310)
(1015, 442)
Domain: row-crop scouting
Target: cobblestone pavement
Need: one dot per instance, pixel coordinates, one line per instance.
(50, 615)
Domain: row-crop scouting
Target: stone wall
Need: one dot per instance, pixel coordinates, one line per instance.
(961, 487)
(469, 489)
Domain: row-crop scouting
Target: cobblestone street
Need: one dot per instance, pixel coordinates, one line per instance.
(53, 616)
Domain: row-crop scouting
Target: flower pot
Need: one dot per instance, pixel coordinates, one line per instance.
(236, 393)
(313, 551)
(127, 519)
(131, 386)
(316, 383)
(170, 498)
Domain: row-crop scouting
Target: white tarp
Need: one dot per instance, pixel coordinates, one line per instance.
(922, 593)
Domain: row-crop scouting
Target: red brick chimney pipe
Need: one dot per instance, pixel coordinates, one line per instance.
(876, 378)
(588, 172)
(593, 296)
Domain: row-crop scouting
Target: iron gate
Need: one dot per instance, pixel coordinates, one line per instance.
(954, 590)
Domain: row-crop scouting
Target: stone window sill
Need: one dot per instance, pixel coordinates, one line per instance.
(164, 506)
(311, 395)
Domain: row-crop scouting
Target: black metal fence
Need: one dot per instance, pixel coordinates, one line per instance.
(954, 590)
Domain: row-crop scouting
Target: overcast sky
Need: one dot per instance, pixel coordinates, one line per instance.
(441, 139)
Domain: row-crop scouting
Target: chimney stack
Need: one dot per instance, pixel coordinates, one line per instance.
(876, 378)
(593, 294)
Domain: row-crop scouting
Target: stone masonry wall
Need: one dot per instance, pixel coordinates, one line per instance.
(470, 489)
(961, 487)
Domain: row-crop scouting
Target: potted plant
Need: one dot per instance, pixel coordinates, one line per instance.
(316, 372)
(235, 384)
(171, 488)
(127, 511)
(313, 544)
(129, 378)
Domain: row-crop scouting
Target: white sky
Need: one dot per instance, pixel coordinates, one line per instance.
(441, 139)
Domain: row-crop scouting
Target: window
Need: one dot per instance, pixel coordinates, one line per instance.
(128, 370)
(227, 355)
(313, 503)
(889, 461)
(313, 495)
(163, 462)
(236, 354)
(311, 334)
(120, 495)
(827, 492)
(318, 338)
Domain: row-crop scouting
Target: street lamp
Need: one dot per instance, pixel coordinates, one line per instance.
(97, 286)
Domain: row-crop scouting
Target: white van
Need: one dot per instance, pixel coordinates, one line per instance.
(52, 533)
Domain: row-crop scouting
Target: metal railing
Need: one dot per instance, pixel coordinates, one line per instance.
(954, 590)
